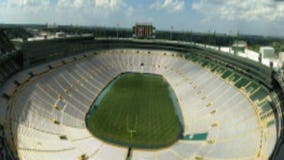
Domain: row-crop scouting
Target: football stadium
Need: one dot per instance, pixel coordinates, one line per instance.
(141, 80)
(131, 99)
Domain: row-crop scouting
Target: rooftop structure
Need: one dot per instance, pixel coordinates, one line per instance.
(144, 31)
(267, 52)
(239, 46)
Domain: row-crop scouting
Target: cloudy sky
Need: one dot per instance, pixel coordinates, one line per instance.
(262, 17)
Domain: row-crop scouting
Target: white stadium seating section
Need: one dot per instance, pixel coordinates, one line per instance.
(47, 113)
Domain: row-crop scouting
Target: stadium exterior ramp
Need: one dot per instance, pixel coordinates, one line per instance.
(227, 114)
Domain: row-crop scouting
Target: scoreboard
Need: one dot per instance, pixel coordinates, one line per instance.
(146, 31)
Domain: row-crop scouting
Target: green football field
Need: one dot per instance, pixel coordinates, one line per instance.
(136, 111)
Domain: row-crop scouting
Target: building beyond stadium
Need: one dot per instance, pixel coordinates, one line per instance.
(144, 31)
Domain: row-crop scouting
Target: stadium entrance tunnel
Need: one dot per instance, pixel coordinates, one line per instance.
(137, 110)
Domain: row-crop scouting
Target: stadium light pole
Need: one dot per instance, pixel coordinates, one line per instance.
(208, 42)
(172, 27)
(191, 36)
(117, 25)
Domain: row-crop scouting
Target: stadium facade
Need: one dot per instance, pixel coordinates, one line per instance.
(232, 107)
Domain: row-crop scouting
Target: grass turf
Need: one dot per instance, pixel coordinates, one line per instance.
(137, 111)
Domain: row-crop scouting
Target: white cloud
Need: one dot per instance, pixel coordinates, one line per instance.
(106, 5)
(26, 4)
(110, 4)
(129, 11)
(246, 10)
(24, 11)
(169, 5)
(95, 8)
(97, 12)
(70, 3)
